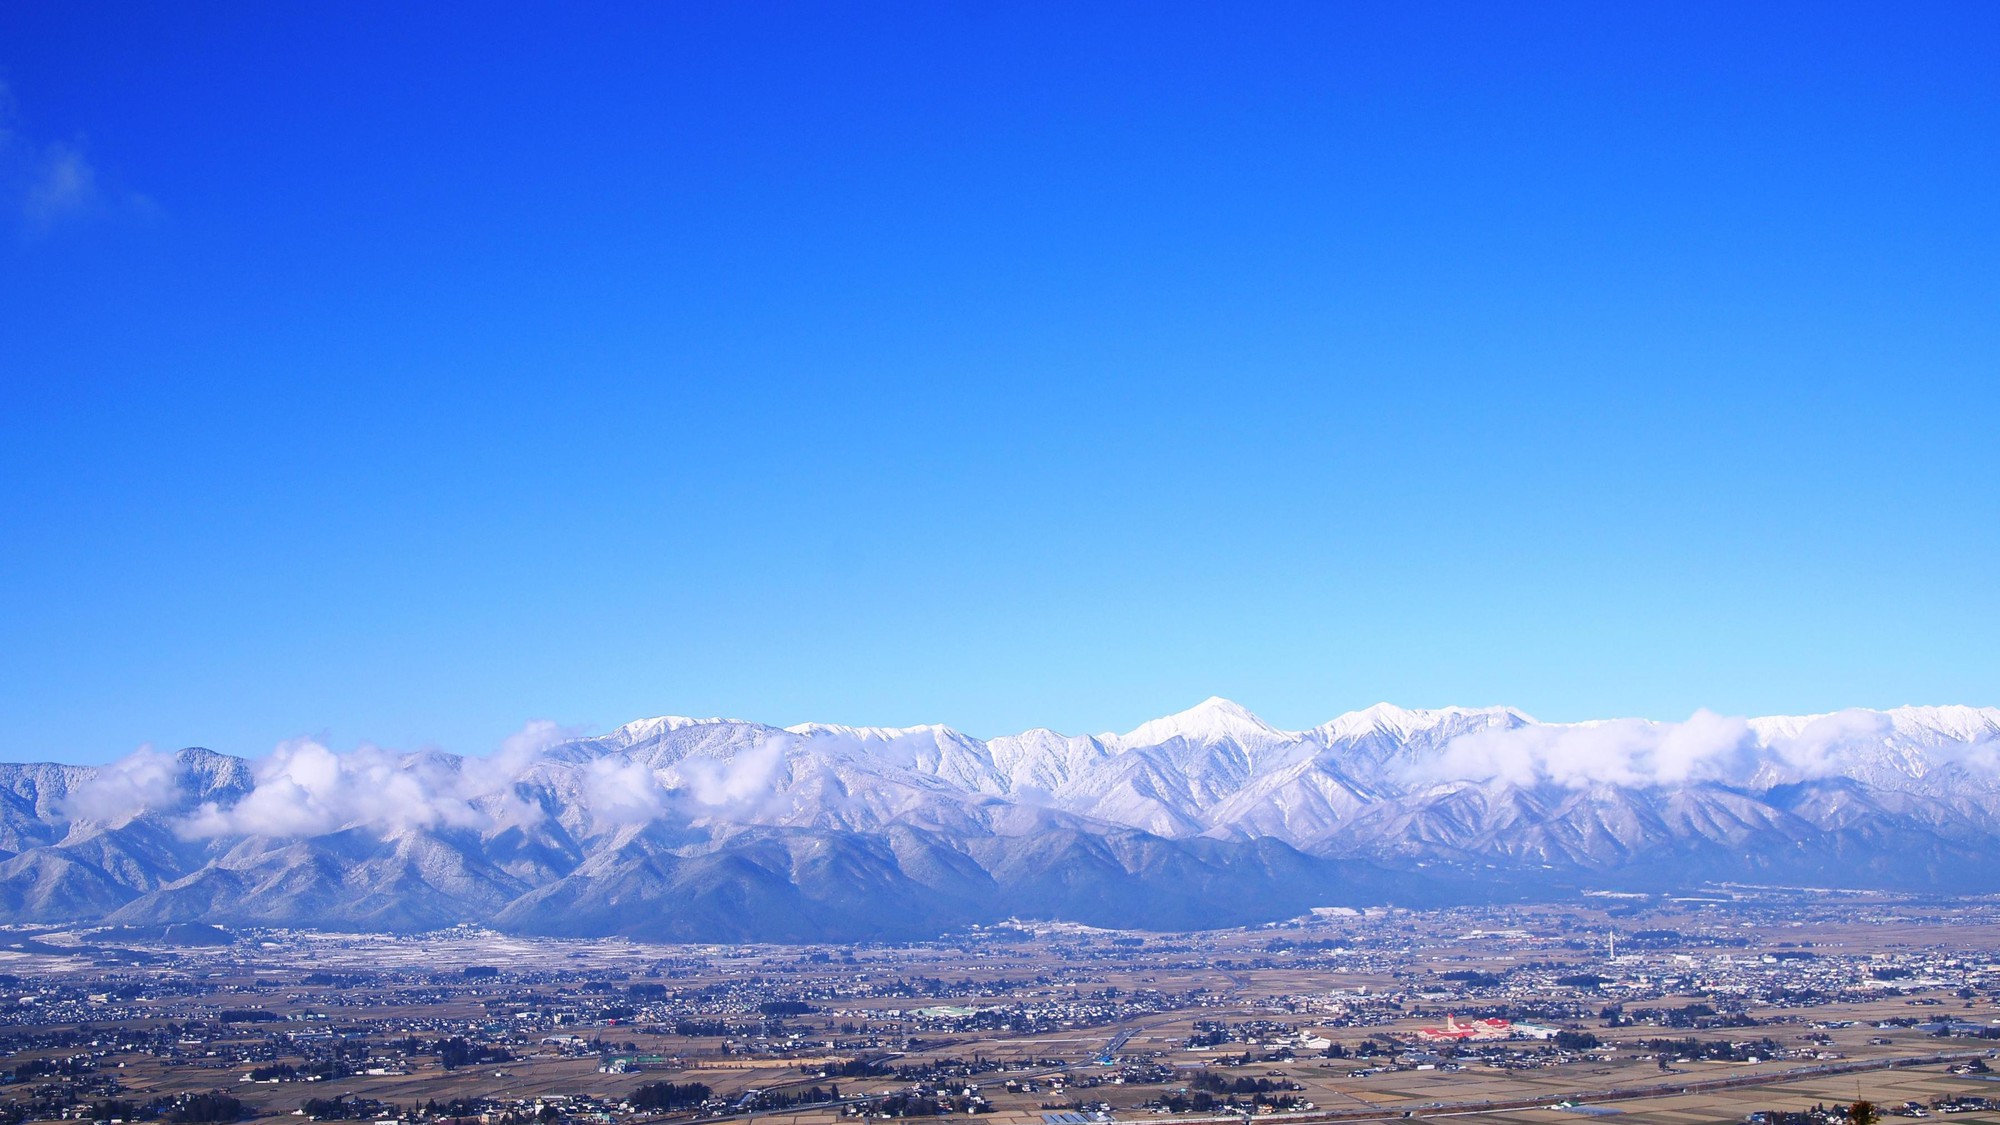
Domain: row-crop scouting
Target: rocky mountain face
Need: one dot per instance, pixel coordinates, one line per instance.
(718, 829)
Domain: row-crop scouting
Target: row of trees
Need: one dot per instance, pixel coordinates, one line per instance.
(659, 1097)
(181, 1109)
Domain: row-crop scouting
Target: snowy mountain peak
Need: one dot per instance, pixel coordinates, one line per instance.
(875, 734)
(1928, 725)
(1953, 721)
(642, 730)
(1387, 718)
(1213, 720)
(677, 826)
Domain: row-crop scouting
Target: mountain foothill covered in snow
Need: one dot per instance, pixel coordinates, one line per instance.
(719, 829)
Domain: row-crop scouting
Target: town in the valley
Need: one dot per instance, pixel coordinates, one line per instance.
(1742, 1004)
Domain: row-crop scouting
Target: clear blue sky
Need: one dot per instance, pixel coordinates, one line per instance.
(379, 373)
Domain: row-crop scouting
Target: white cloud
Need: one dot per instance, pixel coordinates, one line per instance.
(304, 788)
(1846, 741)
(142, 780)
(743, 779)
(536, 737)
(622, 792)
(1707, 747)
(1822, 747)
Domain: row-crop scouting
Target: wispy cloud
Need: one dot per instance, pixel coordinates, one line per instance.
(48, 184)
(61, 186)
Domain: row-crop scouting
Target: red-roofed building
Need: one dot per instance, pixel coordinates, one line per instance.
(1472, 1030)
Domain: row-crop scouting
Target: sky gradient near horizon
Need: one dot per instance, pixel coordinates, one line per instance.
(375, 375)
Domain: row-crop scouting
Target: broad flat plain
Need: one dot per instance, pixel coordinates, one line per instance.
(1679, 1010)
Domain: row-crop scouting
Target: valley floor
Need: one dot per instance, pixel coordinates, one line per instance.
(1650, 1009)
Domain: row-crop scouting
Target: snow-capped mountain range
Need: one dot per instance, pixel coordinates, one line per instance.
(722, 828)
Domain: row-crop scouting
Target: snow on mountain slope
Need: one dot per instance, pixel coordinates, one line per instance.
(1039, 762)
(1218, 769)
(1302, 803)
(1918, 749)
(1382, 742)
(682, 826)
(936, 751)
(1167, 775)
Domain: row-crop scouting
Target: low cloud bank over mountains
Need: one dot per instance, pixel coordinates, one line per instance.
(719, 829)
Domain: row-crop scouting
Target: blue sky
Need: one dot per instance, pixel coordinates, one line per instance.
(387, 376)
